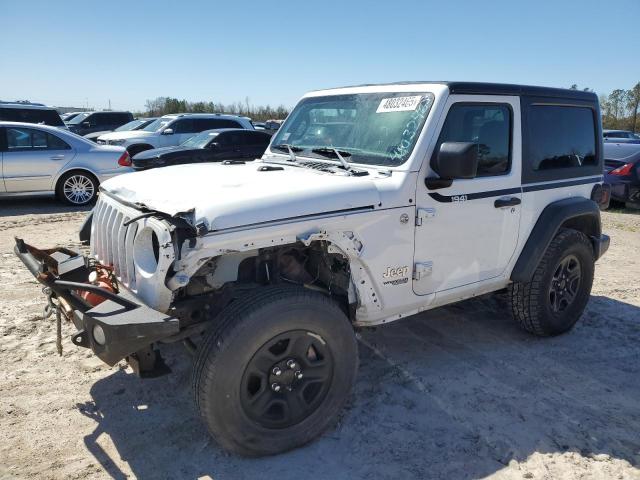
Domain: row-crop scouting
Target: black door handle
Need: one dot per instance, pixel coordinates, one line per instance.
(506, 202)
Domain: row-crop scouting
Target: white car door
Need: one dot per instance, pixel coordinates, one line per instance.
(32, 159)
(467, 232)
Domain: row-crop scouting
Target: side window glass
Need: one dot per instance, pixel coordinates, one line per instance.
(26, 138)
(183, 126)
(223, 139)
(55, 143)
(241, 139)
(202, 124)
(39, 139)
(561, 137)
(259, 139)
(18, 138)
(488, 126)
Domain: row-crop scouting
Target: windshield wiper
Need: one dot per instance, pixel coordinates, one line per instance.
(334, 152)
(289, 148)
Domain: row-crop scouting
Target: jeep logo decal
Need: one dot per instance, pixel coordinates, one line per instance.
(396, 272)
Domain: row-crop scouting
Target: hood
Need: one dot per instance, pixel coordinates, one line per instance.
(126, 135)
(228, 196)
(95, 135)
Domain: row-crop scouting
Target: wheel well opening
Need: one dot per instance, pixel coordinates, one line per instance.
(587, 224)
(74, 171)
(222, 279)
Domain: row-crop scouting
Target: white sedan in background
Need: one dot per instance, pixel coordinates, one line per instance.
(38, 159)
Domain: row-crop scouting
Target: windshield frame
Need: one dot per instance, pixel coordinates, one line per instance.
(359, 156)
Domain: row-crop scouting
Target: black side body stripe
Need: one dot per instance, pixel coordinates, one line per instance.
(508, 191)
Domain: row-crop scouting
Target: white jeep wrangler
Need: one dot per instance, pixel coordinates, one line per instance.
(372, 203)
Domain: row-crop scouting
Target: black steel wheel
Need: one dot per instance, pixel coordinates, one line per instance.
(553, 301)
(287, 379)
(565, 284)
(275, 371)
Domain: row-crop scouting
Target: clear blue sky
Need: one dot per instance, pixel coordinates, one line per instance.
(65, 52)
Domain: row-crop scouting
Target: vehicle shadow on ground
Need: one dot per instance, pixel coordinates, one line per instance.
(13, 207)
(454, 393)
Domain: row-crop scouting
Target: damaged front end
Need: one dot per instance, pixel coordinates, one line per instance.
(110, 321)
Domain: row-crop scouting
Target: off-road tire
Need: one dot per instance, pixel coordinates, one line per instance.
(241, 330)
(531, 303)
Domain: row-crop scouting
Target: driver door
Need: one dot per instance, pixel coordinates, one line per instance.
(467, 232)
(32, 159)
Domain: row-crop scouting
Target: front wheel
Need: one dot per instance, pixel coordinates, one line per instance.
(77, 188)
(553, 301)
(275, 371)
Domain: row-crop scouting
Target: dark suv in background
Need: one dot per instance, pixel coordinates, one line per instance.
(89, 122)
(208, 146)
(30, 113)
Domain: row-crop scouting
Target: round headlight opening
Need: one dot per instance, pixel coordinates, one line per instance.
(98, 335)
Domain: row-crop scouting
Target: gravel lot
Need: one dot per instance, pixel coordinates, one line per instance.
(459, 392)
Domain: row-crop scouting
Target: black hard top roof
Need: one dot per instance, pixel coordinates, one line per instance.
(485, 88)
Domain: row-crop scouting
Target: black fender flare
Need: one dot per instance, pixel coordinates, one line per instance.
(579, 213)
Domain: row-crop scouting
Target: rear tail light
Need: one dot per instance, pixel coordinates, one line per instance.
(623, 170)
(124, 160)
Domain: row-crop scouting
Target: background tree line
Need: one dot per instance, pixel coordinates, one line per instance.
(619, 109)
(165, 105)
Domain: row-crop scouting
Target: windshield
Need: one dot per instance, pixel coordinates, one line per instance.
(130, 126)
(158, 124)
(201, 140)
(79, 118)
(371, 128)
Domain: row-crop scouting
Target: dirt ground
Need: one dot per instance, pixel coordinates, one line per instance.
(455, 393)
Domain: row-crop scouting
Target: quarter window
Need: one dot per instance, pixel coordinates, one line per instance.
(561, 137)
(30, 139)
(486, 125)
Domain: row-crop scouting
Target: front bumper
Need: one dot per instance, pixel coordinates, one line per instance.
(118, 327)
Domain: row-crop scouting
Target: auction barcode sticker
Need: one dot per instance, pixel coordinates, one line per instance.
(399, 104)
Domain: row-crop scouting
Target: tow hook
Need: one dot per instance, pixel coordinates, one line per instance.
(81, 339)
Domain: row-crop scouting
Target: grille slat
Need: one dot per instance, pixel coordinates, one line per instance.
(128, 242)
(111, 216)
(112, 241)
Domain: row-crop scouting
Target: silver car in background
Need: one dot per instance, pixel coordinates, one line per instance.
(38, 159)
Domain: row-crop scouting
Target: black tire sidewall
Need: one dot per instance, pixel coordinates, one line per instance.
(65, 177)
(223, 411)
(575, 244)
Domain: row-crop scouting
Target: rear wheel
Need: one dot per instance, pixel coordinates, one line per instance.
(553, 301)
(275, 371)
(77, 188)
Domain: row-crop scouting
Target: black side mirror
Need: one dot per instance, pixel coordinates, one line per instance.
(86, 124)
(213, 145)
(456, 160)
